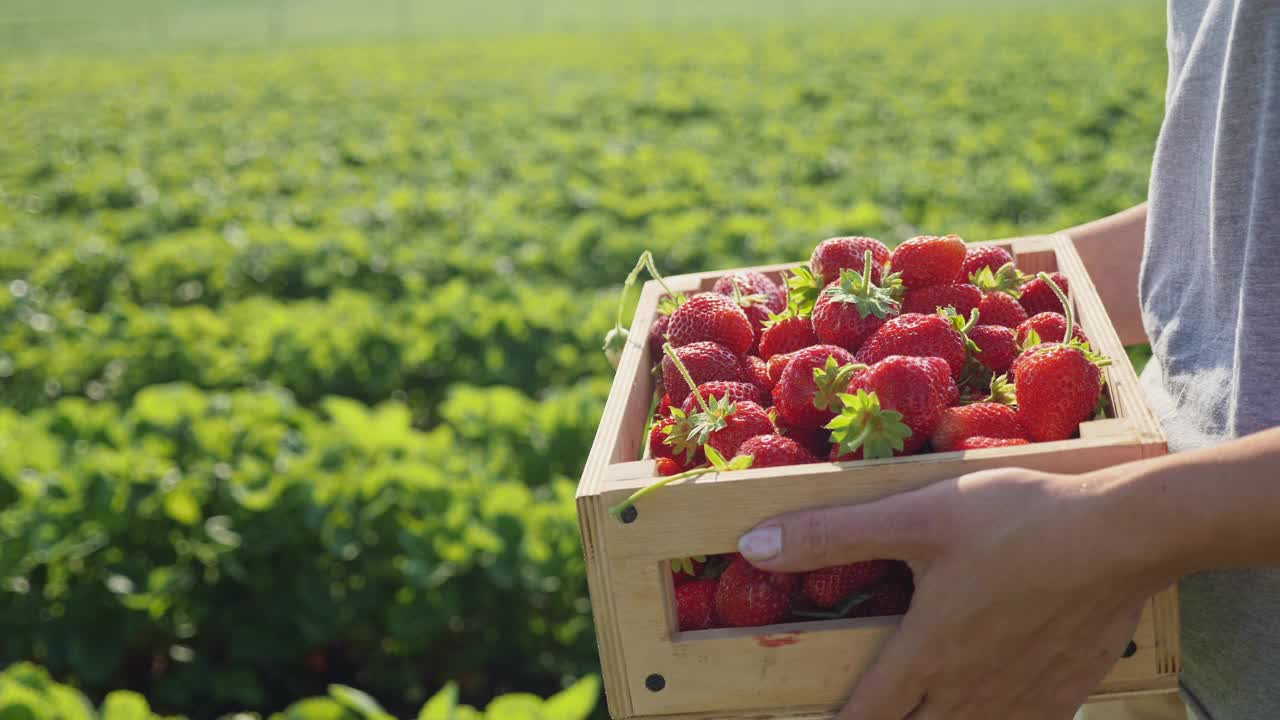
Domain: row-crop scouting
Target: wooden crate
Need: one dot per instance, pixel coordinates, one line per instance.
(804, 670)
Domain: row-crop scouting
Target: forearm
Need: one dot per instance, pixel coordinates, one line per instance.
(1214, 508)
(1111, 249)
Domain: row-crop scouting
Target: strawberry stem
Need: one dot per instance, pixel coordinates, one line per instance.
(1066, 305)
(684, 373)
(642, 492)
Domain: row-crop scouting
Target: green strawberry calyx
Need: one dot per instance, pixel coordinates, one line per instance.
(688, 565)
(739, 462)
(831, 380)
(746, 300)
(1006, 280)
(1003, 392)
(857, 289)
(963, 327)
(803, 288)
(862, 423)
(690, 432)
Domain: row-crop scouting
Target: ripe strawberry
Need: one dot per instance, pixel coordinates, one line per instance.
(757, 373)
(706, 361)
(711, 317)
(928, 260)
(1049, 327)
(1058, 388)
(1036, 296)
(664, 406)
(754, 290)
(918, 335)
(725, 391)
(834, 255)
(749, 597)
(977, 257)
(777, 364)
(658, 336)
(963, 298)
(787, 334)
(1059, 384)
(982, 443)
(658, 447)
(850, 309)
(724, 425)
(984, 419)
(775, 451)
(696, 604)
(807, 396)
(828, 587)
(669, 466)
(816, 440)
(887, 598)
(897, 398)
(996, 347)
(999, 308)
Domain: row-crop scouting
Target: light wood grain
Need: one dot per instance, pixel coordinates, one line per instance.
(804, 670)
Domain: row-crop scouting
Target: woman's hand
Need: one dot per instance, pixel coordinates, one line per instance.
(1028, 590)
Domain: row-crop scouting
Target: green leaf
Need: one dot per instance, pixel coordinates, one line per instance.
(575, 702)
(715, 458)
(741, 462)
(359, 701)
(442, 705)
(317, 708)
(125, 705)
(182, 507)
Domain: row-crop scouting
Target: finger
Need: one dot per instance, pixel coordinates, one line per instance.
(900, 527)
(894, 685)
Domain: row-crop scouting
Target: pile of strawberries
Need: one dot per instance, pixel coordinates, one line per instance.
(862, 354)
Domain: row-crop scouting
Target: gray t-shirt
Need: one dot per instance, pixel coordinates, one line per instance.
(1210, 292)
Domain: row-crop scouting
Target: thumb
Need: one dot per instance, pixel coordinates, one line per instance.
(900, 527)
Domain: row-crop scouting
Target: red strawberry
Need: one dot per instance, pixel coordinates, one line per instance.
(777, 364)
(816, 440)
(828, 587)
(725, 391)
(928, 260)
(757, 373)
(711, 317)
(669, 466)
(996, 347)
(786, 335)
(664, 405)
(807, 396)
(850, 309)
(749, 597)
(982, 443)
(724, 426)
(658, 336)
(1058, 388)
(658, 447)
(897, 398)
(837, 254)
(977, 257)
(696, 604)
(1037, 296)
(918, 335)
(706, 361)
(775, 451)
(984, 419)
(887, 598)
(749, 283)
(1050, 327)
(964, 298)
(999, 308)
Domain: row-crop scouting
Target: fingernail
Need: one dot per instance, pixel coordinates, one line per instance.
(761, 544)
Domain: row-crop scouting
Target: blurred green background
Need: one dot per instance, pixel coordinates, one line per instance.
(301, 302)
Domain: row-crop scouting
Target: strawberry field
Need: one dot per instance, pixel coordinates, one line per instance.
(300, 344)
